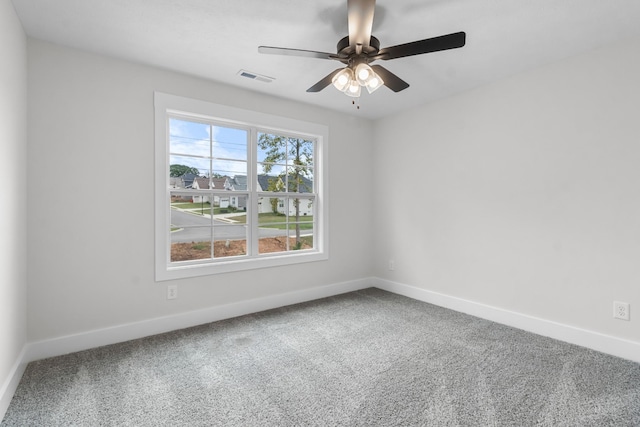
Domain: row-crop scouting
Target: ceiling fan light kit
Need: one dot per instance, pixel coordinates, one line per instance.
(374, 83)
(360, 48)
(363, 74)
(342, 79)
(353, 89)
(368, 78)
(350, 82)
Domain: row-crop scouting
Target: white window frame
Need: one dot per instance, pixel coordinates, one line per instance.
(166, 105)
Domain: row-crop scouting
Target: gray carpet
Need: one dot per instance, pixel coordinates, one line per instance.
(360, 359)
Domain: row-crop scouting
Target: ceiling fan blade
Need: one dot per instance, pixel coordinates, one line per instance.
(390, 80)
(324, 82)
(449, 41)
(360, 18)
(296, 52)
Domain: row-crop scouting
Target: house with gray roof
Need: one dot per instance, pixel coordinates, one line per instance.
(200, 183)
(186, 180)
(237, 183)
(276, 183)
(268, 204)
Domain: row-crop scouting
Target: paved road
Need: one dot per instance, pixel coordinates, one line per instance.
(197, 228)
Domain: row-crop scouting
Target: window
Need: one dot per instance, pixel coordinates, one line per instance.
(236, 189)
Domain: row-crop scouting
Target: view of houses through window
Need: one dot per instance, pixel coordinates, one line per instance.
(238, 192)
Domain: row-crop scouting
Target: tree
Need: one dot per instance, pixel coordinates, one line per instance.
(297, 155)
(273, 186)
(179, 170)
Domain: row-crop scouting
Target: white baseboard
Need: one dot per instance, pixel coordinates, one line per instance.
(8, 389)
(625, 349)
(100, 337)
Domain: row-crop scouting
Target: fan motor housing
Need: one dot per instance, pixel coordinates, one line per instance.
(343, 47)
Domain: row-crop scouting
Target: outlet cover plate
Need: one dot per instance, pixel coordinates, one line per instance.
(172, 291)
(621, 310)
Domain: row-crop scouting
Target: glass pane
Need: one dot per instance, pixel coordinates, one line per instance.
(272, 226)
(300, 180)
(272, 240)
(238, 203)
(189, 138)
(285, 164)
(183, 169)
(290, 227)
(272, 149)
(229, 143)
(282, 238)
(230, 168)
(229, 240)
(300, 152)
(190, 210)
(301, 235)
(234, 206)
(196, 204)
(282, 150)
(271, 182)
(273, 219)
(267, 205)
(201, 183)
(222, 202)
(296, 207)
(219, 183)
(178, 198)
(190, 243)
(271, 169)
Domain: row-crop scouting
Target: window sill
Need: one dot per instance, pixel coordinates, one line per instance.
(238, 264)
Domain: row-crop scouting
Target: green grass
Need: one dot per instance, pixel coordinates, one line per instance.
(271, 220)
(202, 208)
(304, 225)
(190, 205)
(307, 239)
(217, 211)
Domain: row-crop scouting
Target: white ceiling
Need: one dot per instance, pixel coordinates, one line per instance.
(214, 39)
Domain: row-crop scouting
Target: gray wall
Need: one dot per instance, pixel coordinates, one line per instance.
(13, 175)
(91, 217)
(523, 195)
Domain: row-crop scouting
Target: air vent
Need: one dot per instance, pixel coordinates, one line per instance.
(255, 76)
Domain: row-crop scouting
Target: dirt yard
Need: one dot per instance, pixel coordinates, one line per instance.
(202, 250)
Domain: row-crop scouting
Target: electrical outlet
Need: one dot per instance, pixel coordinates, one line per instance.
(172, 291)
(621, 310)
(392, 265)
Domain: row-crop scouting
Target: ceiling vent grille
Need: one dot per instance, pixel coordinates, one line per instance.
(255, 76)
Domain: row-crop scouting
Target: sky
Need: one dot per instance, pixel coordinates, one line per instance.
(218, 149)
(222, 149)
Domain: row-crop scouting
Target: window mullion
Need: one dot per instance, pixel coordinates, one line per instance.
(212, 222)
(252, 214)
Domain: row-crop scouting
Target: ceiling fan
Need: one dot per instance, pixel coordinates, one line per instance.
(360, 48)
